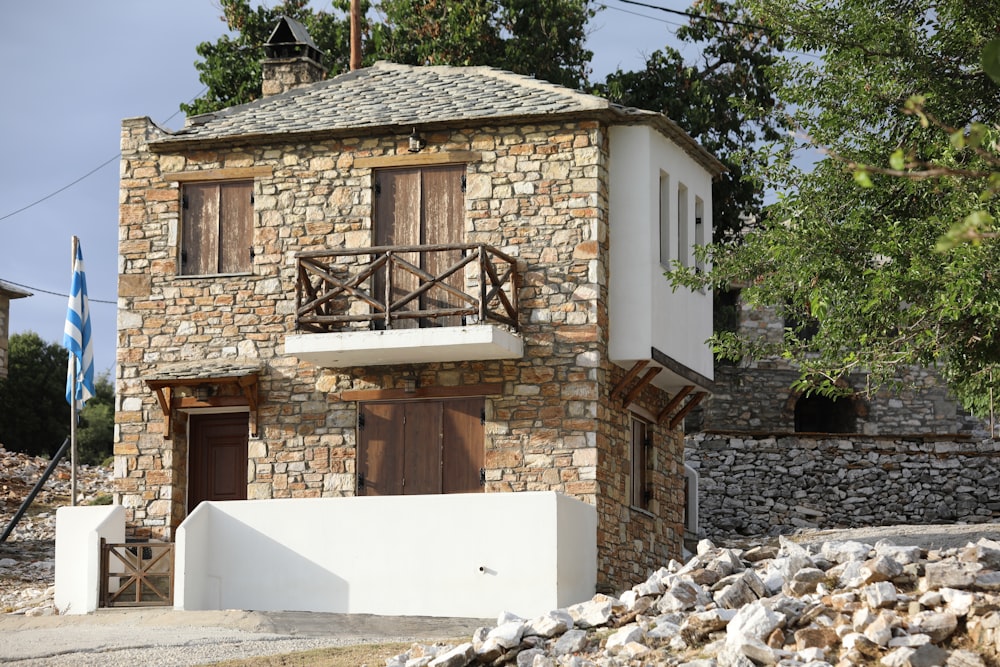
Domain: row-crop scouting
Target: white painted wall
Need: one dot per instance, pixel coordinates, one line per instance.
(78, 553)
(645, 311)
(466, 555)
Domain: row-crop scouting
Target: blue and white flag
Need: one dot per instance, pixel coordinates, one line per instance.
(76, 336)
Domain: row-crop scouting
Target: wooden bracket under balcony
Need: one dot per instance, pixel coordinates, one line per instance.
(633, 393)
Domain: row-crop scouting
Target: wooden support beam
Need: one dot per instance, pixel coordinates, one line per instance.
(485, 389)
(674, 402)
(620, 387)
(688, 407)
(646, 379)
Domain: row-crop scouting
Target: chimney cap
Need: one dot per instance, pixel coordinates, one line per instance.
(290, 39)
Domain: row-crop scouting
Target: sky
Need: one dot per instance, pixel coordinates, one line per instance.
(73, 70)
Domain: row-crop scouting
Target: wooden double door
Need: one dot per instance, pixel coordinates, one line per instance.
(421, 447)
(217, 457)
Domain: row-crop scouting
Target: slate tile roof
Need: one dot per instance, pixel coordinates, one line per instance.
(203, 369)
(388, 95)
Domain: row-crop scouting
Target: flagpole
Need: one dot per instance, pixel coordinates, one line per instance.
(72, 403)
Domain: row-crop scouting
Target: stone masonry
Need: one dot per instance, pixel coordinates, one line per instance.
(538, 192)
(756, 485)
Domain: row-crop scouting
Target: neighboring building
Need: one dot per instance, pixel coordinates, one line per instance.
(757, 397)
(412, 280)
(7, 292)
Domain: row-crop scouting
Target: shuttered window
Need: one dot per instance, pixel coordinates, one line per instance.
(639, 489)
(421, 447)
(216, 228)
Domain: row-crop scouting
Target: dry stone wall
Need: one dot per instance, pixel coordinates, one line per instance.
(753, 486)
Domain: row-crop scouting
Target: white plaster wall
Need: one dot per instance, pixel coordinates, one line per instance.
(78, 553)
(467, 555)
(645, 311)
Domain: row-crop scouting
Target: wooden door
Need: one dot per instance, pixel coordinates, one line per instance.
(420, 447)
(217, 457)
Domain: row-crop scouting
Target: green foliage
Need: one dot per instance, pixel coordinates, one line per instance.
(95, 433)
(726, 101)
(541, 38)
(905, 118)
(34, 414)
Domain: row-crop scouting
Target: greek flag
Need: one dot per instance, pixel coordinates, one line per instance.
(76, 337)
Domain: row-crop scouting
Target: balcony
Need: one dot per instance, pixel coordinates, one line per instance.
(405, 304)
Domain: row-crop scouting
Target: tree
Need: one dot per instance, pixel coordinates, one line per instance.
(34, 418)
(541, 38)
(850, 243)
(95, 434)
(230, 67)
(726, 101)
(34, 414)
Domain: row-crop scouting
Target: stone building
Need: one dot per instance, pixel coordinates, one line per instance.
(7, 292)
(756, 397)
(412, 280)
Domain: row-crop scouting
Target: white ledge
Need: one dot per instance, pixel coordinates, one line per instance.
(405, 346)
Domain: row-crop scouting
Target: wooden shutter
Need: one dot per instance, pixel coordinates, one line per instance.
(397, 223)
(443, 210)
(236, 226)
(422, 447)
(217, 228)
(200, 229)
(464, 449)
(638, 458)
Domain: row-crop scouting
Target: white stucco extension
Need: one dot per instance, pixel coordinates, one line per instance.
(465, 555)
(78, 553)
(651, 178)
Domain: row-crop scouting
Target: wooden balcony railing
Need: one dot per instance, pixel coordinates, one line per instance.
(398, 287)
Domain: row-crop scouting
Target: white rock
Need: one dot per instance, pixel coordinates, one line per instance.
(591, 614)
(551, 624)
(571, 642)
(843, 552)
(507, 635)
(629, 633)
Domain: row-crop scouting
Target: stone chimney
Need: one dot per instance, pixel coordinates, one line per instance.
(293, 59)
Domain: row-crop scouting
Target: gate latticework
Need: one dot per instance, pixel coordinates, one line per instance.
(137, 574)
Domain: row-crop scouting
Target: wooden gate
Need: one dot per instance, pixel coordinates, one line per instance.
(137, 574)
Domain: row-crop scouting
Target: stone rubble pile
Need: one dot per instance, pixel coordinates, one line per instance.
(841, 604)
(27, 558)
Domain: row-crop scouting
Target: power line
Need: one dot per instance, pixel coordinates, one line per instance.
(65, 296)
(89, 173)
(692, 15)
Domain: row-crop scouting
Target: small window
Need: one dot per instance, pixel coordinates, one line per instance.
(639, 494)
(700, 231)
(664, 214)
(216, 228)
(683, 236)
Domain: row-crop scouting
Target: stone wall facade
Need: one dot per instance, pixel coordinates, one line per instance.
(538, 192)
(751, 486)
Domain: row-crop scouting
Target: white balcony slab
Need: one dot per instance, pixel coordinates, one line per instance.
(405, 346)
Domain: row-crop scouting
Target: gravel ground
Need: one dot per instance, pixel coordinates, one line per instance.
(163, 637)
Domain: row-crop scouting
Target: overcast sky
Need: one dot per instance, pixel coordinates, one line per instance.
(73, 70)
